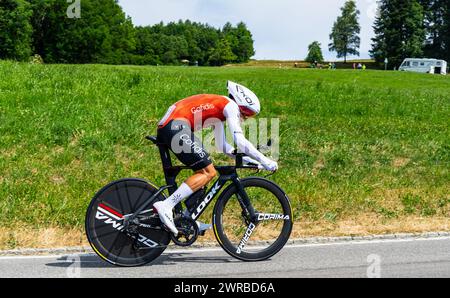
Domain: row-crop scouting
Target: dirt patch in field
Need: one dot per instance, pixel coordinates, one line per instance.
(400, 162)
(371, 225)
(22, 237)
(57, 179)
(25, 237)
(318, 166)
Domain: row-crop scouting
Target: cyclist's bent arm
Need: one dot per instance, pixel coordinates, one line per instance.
(233, 119)
(221, 140)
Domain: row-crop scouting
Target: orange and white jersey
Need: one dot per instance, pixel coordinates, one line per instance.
(198, 109)
(214, 109)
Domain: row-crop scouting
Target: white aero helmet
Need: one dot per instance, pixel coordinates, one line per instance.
(247, 101)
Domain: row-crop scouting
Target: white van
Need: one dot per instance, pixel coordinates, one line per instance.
(433, 66)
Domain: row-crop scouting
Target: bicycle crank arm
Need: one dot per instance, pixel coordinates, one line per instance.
(131, 217)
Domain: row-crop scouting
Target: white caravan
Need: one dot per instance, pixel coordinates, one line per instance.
(432, 66)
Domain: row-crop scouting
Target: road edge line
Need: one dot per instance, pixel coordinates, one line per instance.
(298, 241)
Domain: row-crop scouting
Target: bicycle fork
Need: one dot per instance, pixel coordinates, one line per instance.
(247, 207)
(248, 212)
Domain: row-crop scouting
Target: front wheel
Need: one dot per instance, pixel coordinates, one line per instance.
(259, 238)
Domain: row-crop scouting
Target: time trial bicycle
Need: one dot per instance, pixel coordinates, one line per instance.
(252, 218)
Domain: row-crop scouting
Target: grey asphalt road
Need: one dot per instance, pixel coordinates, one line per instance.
(382, 258)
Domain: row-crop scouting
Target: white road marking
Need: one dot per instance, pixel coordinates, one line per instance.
(174, 251)
(352, 242)
(43, 257)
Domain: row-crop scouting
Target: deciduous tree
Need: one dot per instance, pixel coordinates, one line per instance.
(15, 30)
(345, 33)
(314, 53)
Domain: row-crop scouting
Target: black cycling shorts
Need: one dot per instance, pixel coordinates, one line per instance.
(178, 136)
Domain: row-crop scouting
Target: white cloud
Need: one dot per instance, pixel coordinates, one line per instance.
(281, 29)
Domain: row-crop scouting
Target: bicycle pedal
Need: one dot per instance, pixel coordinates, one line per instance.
(203, 227)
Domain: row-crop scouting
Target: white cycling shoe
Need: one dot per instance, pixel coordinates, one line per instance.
(203, 227)
(166, 215)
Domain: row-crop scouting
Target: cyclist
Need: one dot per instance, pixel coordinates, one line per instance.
(176, 130)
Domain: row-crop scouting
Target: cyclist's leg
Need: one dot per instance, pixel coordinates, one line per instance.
(194, 183)
(201, 178)
(189, 150)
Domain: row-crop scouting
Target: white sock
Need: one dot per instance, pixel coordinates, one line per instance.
(179, 195)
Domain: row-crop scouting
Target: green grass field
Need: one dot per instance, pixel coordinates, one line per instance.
(353, 144)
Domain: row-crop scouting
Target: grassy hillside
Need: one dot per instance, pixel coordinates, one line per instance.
(354, 145)
(371, 64)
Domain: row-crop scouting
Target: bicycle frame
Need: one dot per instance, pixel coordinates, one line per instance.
(145, 217)
(227, 173)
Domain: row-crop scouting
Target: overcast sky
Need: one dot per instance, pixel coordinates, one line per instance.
(282, 29)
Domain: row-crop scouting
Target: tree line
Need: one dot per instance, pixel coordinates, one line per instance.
(412, 28)
(403, 28)
(104, 34)
(195, 42)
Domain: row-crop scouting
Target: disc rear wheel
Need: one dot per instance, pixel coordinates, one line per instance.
(105, 227)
